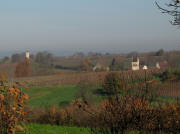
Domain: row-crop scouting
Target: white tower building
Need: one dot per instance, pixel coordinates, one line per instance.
(135, 63)
(27, 55)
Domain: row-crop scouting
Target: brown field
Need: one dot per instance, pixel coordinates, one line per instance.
(91, 77)
(171, 89)
(8, 68)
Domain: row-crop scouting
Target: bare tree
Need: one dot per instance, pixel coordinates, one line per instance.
(172, 8)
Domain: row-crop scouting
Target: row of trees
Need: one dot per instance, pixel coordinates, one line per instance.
(24, 66)
(41, 57)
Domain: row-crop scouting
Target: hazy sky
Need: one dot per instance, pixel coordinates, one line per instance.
(84, 25)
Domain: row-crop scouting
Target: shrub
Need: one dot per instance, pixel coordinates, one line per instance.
(133, 113)
(53, 115)
(113, 83)
(23, 68)
(114, 116)
(119, 115)
(86, 65)
(170, 75)
(12, 113)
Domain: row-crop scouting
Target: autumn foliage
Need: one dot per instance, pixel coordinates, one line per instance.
(130, 112)
(12, 113)
(85, 65)
(23, 68)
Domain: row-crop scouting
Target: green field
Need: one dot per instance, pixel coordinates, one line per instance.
(51, 95)
(57, 95)
(49, 129)
(63, 95)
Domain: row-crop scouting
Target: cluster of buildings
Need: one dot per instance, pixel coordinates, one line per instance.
(136, 64)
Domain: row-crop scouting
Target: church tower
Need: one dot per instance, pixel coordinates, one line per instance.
(27, 55)
(135, 63)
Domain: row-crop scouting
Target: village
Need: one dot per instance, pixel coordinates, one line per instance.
(43, 63)
(90, 67)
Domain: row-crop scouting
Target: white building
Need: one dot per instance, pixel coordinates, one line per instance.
(98, 66)
(27, 55)
(135, 63)
(158, 66)
(145, 67)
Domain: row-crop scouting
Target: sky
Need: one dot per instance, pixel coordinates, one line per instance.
(66, 26)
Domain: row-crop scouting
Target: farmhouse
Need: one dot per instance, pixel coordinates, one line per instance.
(158, 66)
(100, 67)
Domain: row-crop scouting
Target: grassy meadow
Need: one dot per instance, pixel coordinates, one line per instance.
(51, 95)
(52, 129)
(45, 96)
(58, 95)
(49, 129)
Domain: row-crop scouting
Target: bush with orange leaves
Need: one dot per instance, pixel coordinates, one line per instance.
(23, 68)
(113, 116)
(166, 119)
(132, 113)
(52, 115)
(119, 115)
(69, 116)
(12, 113)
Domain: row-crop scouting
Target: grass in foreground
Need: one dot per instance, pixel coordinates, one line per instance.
(49, 129)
